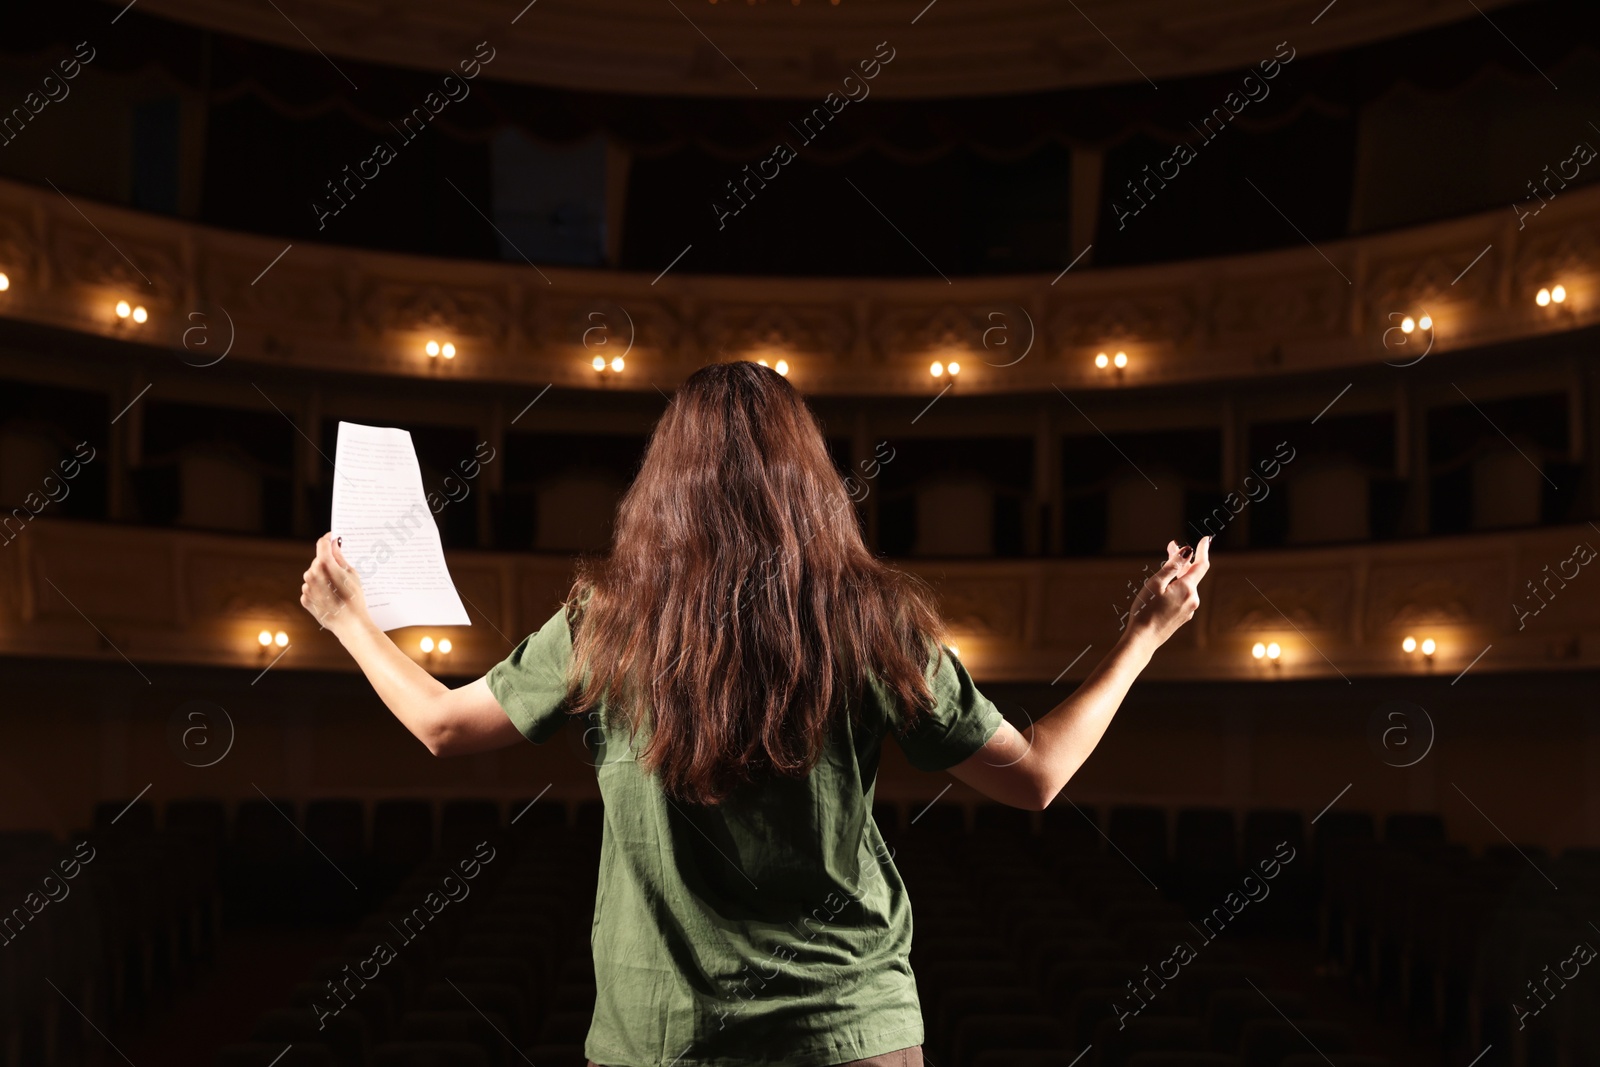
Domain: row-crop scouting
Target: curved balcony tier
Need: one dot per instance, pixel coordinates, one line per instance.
(209, 295)
(1490, 603)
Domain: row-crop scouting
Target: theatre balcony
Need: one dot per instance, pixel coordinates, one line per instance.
(179, 295)
(1511, 602)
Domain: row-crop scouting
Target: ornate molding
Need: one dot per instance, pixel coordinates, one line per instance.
(1304, 601)
(178, 597)
(991, 608)
(322, 308)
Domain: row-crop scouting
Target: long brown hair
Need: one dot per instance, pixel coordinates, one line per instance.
(738, 610)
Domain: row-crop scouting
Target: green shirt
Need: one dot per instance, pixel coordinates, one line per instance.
(772, 928)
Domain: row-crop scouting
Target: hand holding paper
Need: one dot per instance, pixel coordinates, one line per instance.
(386, 530)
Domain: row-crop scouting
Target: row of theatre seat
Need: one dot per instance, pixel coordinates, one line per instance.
(1420, 930)
(1482, 951)
(93, 929)
(1029, 929)
(498, 976)
(1028, 934)
(1062, 951)
(337, 858)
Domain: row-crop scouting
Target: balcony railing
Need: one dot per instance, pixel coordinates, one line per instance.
(1489, 603)
(210, 295)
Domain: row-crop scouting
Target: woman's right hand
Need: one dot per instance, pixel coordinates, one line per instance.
(331, 588)
(1170, 596)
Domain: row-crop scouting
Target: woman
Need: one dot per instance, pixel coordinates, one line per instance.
(740, 656)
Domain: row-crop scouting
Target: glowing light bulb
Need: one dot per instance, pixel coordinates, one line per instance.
(1543, 299)
(954, 367)
(1120, 359)
(1426, 322)
(448, 350)
(1559, 294)
(1273, 651)
(761, 362)
(426, 644)
(955, 651)
(1429, 646)
(599, 363)
(1102, 361)
(432, 348)
(265, 637)
(445, 646)
(1409, 644)
(140, 314)
(937, 370)
(280, 639)
(123, 309)
(782, 367)
(5, 282)
(1258, 650)
(617, 364)
(1408, 325)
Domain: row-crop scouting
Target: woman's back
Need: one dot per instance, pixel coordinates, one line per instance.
(775, 917)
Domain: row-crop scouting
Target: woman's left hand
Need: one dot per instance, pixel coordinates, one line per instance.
(1171, 596)
(331, 588)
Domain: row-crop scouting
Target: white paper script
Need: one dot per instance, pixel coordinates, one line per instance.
(382, 514)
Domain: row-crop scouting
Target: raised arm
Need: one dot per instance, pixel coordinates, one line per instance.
(451, 722)
(1027, 768)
